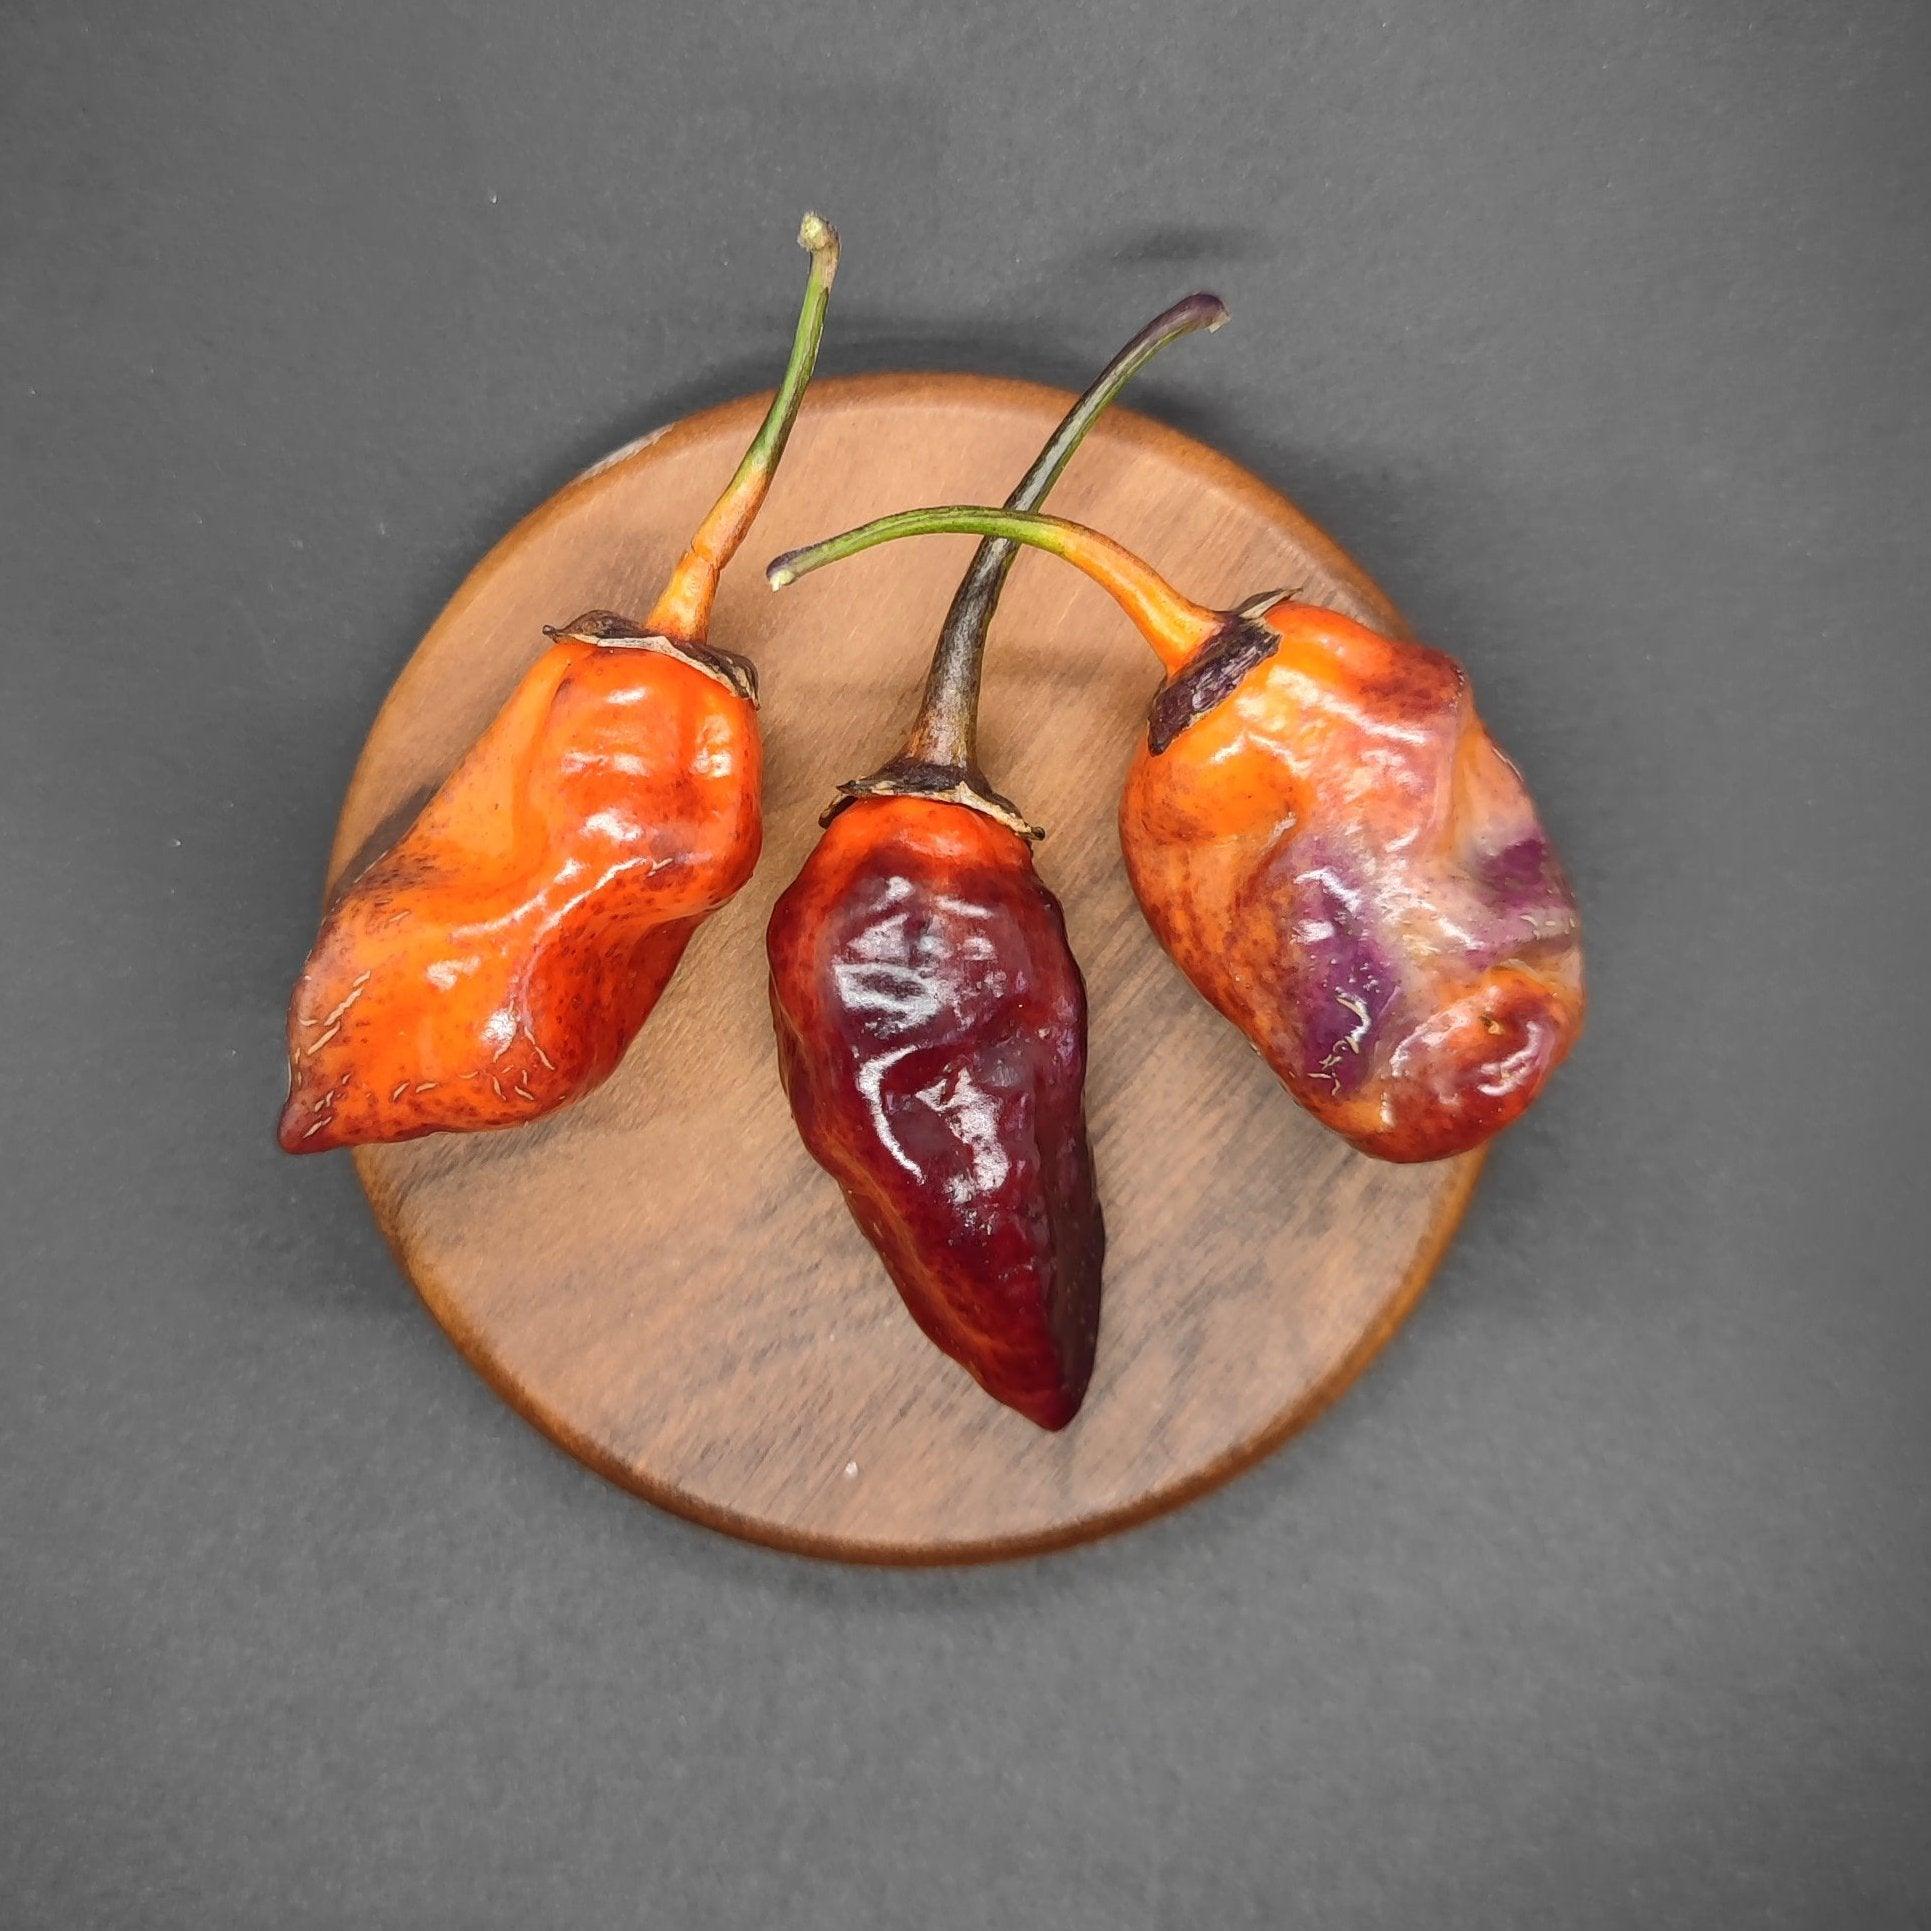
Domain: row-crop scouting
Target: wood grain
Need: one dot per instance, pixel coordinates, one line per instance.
(660, 1278)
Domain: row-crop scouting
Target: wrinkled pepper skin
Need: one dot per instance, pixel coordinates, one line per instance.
(931, 1025)
(1329, 845)
(495, 963)
(1342, 862)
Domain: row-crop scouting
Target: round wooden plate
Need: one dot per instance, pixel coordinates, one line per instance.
(660, 1278)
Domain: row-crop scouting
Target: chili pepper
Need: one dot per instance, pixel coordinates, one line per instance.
(1328, 843)
(496, 962)
(931, 1018)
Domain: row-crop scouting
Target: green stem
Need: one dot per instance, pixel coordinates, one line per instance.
(1174, 625)
(684, 610)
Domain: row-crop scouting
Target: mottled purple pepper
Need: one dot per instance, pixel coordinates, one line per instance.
(1331, 847)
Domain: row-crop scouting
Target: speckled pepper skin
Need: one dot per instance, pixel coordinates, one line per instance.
(931, 1026)
(1342, 862)
(495, 963)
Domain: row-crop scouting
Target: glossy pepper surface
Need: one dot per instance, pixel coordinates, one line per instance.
(1328, 843)
(496, 962)
(931, 1018)
(931, 1028)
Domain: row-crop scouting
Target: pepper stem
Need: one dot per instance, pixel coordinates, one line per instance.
(1174, 625)
(947, 727)
(684, 609)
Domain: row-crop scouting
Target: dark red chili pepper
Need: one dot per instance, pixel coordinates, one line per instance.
(931, 1018)
(495, 963)
(1327, 841)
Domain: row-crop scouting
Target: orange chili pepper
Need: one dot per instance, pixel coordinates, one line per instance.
(931, 1017)
(1328, 843)
(496, 962)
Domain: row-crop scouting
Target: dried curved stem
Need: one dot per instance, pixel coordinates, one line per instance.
(946, 729)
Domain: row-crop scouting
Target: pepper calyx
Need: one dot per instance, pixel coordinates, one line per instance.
(610, 631)
(1213, 672)
(952, 784)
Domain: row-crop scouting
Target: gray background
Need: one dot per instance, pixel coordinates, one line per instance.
(1599, 334)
